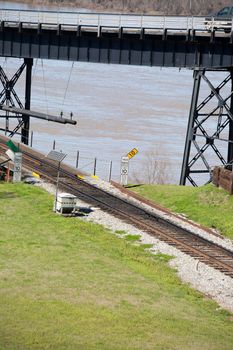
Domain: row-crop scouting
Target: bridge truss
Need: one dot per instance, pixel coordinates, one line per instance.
(138, 40)
(9, 98)
(210, 126)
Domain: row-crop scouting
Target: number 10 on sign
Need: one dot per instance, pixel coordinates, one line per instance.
(124, 170)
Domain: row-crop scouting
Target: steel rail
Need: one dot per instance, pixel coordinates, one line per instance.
(224, 267)
(189, 243)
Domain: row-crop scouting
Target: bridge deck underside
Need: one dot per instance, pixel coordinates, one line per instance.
(172, 51)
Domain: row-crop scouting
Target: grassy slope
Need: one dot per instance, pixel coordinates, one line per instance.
(66, 284)
(207, 205)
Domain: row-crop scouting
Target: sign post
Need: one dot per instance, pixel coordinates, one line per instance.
(57, 157)
(125, 166)
(17, 167)
(16, 156)
(124, 170)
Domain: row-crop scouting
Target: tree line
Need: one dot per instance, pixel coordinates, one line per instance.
(167, 7)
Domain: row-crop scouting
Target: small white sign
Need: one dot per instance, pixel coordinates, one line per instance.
(10, 154)
(124, 170)
(17, 167)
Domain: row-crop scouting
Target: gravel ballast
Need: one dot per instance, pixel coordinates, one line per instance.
(203, 278)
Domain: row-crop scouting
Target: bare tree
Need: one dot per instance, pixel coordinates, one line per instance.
(168, 7)
(154, 170)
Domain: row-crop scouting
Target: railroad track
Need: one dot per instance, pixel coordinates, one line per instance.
(184, 240)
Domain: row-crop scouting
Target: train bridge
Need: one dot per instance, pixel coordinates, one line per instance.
(164, 41)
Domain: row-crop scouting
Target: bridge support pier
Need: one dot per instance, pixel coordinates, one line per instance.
(210, 128)
(28, 83)
(9, 97)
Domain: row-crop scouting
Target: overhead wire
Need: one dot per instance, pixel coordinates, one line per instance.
(45, 91)
(67, 85)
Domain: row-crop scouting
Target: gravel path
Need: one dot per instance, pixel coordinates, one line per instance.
(203, 278)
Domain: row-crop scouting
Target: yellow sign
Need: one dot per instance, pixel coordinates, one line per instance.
(35, 175)
(132, 153)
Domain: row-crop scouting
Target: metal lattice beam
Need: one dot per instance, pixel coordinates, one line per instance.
(9, 97)
(200, 141)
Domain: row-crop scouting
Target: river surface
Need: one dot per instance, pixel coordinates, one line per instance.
(116, 107)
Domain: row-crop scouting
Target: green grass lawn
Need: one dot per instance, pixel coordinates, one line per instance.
(207, 205)
(66, 284)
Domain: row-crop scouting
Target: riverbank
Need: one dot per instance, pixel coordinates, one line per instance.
(179, 7)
